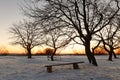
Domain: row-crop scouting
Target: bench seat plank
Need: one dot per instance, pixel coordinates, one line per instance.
(75, 65)
(63, 64)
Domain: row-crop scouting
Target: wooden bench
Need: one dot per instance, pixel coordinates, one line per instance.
(75, 65)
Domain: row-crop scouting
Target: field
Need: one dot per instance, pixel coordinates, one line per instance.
(21, 68)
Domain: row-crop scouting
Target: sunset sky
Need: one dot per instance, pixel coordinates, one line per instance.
(9, 13)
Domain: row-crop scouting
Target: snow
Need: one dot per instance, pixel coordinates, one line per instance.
(21, 68)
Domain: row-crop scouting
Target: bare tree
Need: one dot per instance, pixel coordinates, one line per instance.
(27, 34)
(57, 39)
(87, 17)
(110, 37)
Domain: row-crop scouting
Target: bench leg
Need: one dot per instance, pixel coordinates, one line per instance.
(49, 69)
(75, 66)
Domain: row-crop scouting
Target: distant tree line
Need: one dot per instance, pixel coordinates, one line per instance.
(3, 50)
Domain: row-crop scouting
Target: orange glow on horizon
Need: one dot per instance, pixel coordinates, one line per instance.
(15, 49)
(100, 51)
(38, 50)
(117, 51)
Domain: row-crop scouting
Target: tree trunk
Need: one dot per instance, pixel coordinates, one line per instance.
(52, 55)
(29, 53)
(110, 56)
(89, 54)
(115, 55)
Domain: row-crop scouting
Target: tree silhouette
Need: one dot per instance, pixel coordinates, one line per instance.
(27, 34)
(110, 37)
(57, 39)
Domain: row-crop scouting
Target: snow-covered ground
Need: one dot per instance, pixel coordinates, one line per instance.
(21, 68)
